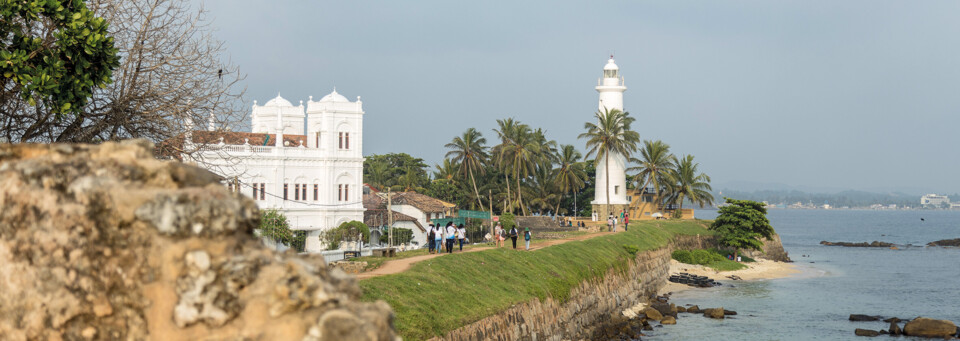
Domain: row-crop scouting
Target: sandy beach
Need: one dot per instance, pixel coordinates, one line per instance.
(761, 269)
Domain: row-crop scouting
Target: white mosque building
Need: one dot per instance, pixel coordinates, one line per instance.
(611, 88)
(305, 161)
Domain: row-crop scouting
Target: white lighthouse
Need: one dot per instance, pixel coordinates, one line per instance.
(611, 89)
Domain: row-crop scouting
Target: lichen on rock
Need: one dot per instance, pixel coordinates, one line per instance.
(105, 242)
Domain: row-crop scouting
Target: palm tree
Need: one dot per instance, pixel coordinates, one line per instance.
(446, 171)
(655, 163)
(506, 130)
(686, 182)
(378, 174)
(470, 153)
(570, 173)
(523, 152)
(610, 135)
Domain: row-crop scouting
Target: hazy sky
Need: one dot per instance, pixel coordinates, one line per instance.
(817, 94)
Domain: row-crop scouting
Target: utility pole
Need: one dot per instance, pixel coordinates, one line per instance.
(389, 219)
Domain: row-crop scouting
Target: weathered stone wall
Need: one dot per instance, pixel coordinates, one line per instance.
(590, 305)
(107, 243)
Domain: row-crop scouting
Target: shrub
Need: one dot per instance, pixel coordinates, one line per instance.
(632, 249)
(726, 253)
(347, 231)
(400, 236)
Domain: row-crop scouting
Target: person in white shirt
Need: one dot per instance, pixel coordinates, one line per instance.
(499, 235)
(461, 236)
(438, 237)
(451, 236)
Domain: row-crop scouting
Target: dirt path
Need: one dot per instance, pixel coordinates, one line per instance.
(401, 265)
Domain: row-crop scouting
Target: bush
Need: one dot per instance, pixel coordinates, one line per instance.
(699, 257)
(632, 249)
(726, 253)
(400, 236)
(710, 258)
(347, 231)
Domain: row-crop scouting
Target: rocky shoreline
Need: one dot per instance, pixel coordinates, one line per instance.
(658, 313)
(919, 327)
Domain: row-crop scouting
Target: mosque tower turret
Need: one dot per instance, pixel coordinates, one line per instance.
(611, 88)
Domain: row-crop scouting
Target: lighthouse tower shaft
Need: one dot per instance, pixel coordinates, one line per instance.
(610, 88)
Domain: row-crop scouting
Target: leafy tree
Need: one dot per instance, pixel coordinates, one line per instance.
(687, 182)
(742, 224)
(348, 231)
(508, 220)
(655, 165)
(610, 135)
(446, 190)
(54, 54)
(469, 153)
(274, 226)
(403, 172)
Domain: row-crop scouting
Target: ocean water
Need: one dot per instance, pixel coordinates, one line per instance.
(835, 281)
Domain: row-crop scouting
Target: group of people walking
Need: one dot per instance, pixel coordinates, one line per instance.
(500, 235)
(449, 234)
(612, 221)
(446, 237)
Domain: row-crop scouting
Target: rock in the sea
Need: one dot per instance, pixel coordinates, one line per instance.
(652, 313)
(668, 320)
(861, 317)
(866, 332)
(107, 242)
(895, 328)
(945, 242)
(927, 327)
(714, 313)
(729, 312)
(694, 309)
(892, 319)
(665, 309)
(863, 244)
(681, 309)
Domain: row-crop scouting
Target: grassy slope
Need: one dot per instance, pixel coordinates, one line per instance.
(445, 293)
(376, 262)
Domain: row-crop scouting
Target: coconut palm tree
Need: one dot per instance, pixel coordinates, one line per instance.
(523, 152)
(469, 152)
(687, 182)
(378, 174)
(445, 171)
(654, 165)
(610, 135)
(506, 130)
(570, 174)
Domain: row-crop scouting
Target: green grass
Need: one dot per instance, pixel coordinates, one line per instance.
(709, 258)
(438, 295)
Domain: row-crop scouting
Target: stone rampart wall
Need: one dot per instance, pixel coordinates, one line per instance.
(590, 305)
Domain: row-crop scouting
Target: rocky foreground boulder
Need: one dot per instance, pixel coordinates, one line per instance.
(927, 327)
(107, 243)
